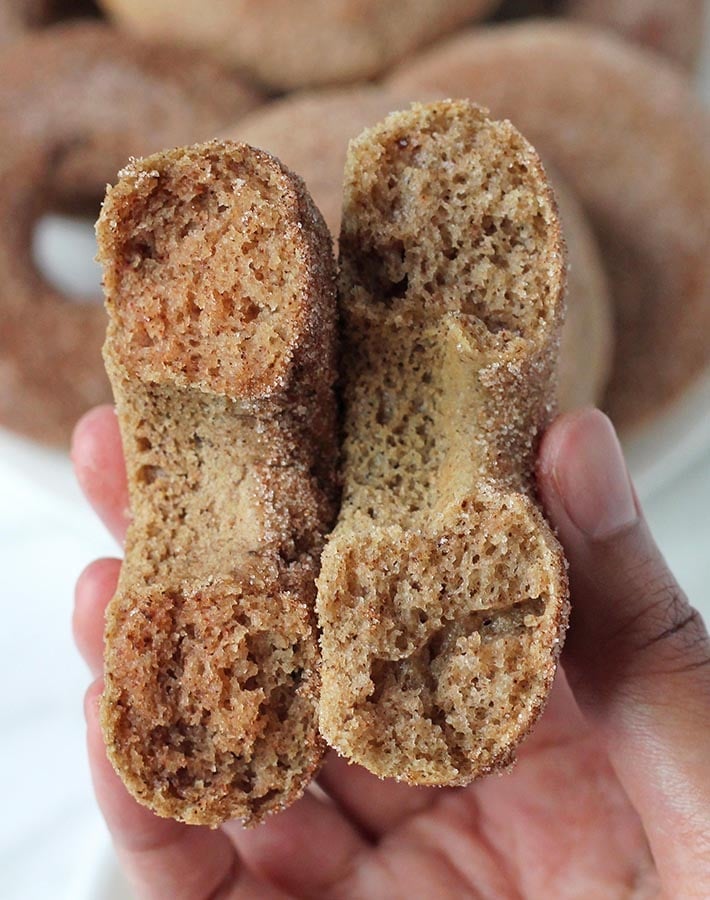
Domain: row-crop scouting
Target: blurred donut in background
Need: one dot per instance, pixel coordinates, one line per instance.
(673, 28)
(99, 96)
(622, 131)
(286, 44)
(51, 369)
(76, 102)
(632, 141)
(19, 16)
(587, 346)
(310, 134)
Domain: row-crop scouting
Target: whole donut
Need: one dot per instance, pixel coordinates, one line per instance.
(75, 102)
(633, 142)
(286, 44)
(310, 133)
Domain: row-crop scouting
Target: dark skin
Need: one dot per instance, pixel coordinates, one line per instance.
(610, 796)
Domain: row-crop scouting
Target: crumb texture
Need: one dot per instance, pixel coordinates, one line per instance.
(219, 284)
(310, 132)
(442, 593)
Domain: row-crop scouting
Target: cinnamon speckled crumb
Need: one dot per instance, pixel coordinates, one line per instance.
(219, 283)
(442, 596)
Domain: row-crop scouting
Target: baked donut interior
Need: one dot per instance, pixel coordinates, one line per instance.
(442, 594)
(218, 281)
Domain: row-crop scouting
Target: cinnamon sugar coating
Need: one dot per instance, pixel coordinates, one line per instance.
(442, 596)
(219, 281)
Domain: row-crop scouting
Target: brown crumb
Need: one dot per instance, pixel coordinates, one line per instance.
(219, 282)
(442, 596)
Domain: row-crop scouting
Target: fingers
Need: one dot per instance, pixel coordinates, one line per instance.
(376, 806)
(162, 858)
(97, 455)
(637, 654)
(95, 587)
(309, 849)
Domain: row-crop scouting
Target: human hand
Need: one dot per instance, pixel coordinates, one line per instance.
(611, 793)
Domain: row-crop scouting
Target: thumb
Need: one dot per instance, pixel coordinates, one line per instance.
(638, 655)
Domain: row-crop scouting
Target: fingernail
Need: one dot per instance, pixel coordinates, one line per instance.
(592, 479)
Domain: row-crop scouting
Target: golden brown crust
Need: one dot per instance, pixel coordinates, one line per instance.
(286, 44)
(310, 132)
(633, 142)
(78, 101)
(442, 597)
(219, 282)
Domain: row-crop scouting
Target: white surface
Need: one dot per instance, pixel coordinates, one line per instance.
(47, 803)
(60, 238)
(52, 841)
(672, 443)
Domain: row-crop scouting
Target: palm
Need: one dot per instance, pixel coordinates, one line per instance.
(558, 825)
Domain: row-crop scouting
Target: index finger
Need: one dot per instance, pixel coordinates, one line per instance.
(100, 468)
(637, 653)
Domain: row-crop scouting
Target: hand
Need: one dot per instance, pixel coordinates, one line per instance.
(610, 796)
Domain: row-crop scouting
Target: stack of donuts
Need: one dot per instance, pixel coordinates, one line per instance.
(603, 88)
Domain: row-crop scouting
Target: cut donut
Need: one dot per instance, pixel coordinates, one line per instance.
(442, 596)
(310, 132)
(219, 282)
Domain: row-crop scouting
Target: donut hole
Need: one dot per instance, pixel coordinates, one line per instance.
(64, 252)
